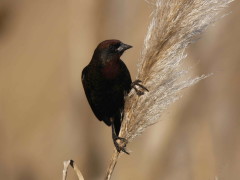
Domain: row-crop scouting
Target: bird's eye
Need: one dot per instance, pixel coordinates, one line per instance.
(114, 47)
(117, 45)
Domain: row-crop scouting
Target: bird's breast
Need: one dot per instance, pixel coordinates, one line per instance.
(111, 70)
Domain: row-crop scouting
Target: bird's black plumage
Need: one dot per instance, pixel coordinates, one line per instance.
(106, 80)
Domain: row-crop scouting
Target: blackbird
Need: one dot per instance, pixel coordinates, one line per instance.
(106, 80)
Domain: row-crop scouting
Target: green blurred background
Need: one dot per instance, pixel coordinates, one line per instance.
(45, 118)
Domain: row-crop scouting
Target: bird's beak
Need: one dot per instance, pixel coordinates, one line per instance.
(123, 47)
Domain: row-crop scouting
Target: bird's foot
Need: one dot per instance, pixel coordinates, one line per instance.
(137, 83)
(120, 144)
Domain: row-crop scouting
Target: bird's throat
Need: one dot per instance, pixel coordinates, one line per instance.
(111, 69)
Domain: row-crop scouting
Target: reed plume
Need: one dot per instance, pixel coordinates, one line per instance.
(175, 24)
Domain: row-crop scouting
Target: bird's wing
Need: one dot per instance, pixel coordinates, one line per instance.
(126, 77)
(88, 91)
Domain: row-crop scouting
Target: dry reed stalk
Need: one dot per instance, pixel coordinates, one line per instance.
(175, 24)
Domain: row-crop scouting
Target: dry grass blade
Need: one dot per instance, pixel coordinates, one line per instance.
(175, 24)
(74, 166)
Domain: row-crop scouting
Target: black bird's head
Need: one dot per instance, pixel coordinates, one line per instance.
(110, 50)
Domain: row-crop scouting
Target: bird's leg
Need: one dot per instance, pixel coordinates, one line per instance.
(137, 83)
(120, 146)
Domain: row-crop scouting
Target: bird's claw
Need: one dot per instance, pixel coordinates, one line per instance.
(121, 146)
(137, 83)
